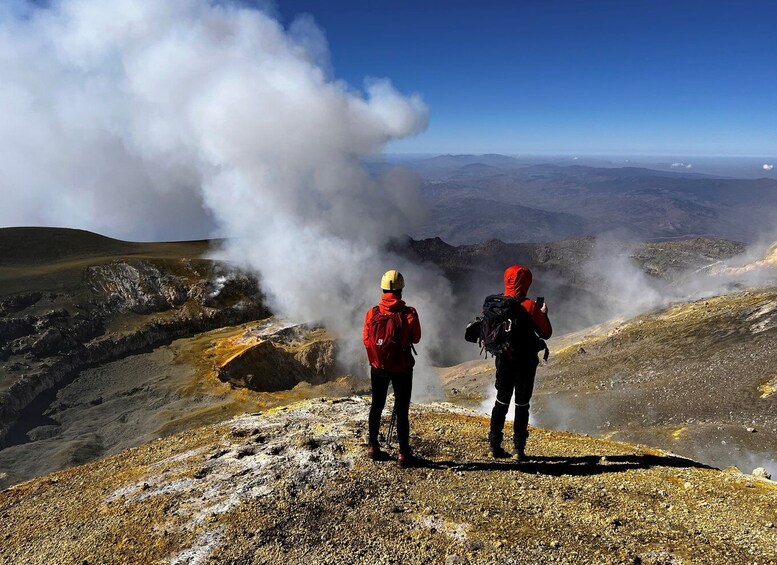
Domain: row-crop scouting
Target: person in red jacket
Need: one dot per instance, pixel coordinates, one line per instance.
(390, 330)
(516, 368)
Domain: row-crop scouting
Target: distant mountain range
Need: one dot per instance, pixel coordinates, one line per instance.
(471, 198)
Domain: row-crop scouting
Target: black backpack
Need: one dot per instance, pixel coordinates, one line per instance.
(499, 320)
(503, 325)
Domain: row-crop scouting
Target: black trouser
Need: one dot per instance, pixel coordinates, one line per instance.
(514, 373)
(403, 387)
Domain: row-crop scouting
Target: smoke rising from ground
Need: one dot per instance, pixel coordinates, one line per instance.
(189, 118)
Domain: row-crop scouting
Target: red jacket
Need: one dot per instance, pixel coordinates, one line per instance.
(517, 282)
(411, 328)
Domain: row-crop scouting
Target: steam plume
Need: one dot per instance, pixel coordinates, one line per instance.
(185, 118)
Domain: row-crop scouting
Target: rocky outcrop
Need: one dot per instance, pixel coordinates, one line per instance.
(53, 333)
(282, 360)
(319, 358)
(761, 473)
(19, 302)
(12, 328)
(139, 286)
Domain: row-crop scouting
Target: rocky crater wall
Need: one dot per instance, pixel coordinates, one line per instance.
(122, 307)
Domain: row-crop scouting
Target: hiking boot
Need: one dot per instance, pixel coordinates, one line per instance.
(405, 460)
(498, 453)
(519, 455)
(374, 452)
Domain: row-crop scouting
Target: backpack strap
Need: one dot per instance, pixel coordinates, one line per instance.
(405, 309)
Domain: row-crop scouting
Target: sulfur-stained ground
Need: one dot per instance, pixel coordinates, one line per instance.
(293, 485)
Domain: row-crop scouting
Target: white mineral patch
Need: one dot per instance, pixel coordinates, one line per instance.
(453, 530)
(302, 446)
(179, 485)
(765, 310)
(201, 549)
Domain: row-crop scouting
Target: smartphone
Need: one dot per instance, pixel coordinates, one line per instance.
(540, 301)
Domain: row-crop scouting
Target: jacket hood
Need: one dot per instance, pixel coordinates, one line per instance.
(517, 281)
(390, 302)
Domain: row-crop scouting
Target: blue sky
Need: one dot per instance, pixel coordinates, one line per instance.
(589, 77)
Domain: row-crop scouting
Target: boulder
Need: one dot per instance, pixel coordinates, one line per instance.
(271, 365)
(761, 473)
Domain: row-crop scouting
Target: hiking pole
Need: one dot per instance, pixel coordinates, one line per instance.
(392, 424)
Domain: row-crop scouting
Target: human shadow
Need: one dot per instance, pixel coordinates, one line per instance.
(382, 456)
(575, 466)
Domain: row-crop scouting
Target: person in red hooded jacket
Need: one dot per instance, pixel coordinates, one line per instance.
(391, 363)
(515, 369)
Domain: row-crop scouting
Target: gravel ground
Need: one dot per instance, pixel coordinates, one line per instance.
(294, 485)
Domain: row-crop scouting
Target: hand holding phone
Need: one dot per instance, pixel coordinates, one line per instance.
(541, 303)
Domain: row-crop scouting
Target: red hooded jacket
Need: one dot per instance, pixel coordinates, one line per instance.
(411, 328)
(517, 282)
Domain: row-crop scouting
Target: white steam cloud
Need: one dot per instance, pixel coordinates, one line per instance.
(682, 165)
(768, 167)
(185, 118)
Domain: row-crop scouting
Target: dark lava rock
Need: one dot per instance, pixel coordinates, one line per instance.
(58, 318)
(13, 328)
(85, 328)
(19, 302)
(231, 291)
(51, 342)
